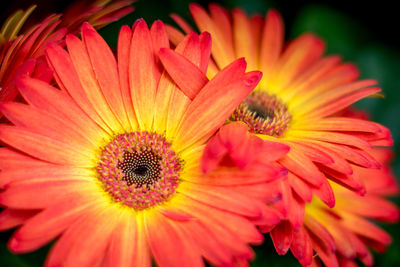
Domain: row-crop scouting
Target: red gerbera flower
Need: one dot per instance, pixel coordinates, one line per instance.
(111, 162)
(293, 105)
(27, 48)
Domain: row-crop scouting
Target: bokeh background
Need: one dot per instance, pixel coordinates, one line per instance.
(366, 34)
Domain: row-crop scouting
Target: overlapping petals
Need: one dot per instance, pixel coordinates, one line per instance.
(344, 233)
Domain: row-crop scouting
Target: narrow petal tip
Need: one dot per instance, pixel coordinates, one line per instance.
(13, 245)
(254, 79)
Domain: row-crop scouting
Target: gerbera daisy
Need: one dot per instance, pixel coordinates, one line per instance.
(111, 162)
(337, 236)
(292, 105)
(17, 49)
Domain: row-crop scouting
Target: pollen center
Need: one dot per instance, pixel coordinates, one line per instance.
(139, 169)
(264, 114)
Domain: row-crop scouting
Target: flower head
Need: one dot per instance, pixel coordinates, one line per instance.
(111, 161)
(24, 53)
(294, 104)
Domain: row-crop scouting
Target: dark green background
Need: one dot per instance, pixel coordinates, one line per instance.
(366, 35)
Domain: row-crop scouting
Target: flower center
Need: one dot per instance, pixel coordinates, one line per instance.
(264, 114)
(139, 169)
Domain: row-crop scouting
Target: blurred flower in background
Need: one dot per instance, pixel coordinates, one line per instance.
(293, 104)
(23, 52)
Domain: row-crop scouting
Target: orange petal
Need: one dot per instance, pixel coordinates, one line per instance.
(348, 153)
(221, 198)
(245, 44)
(233, 235)
(30, 194)
(123, 51)
(319, 231)
(326, 194)
(300, 165)
(222, 21)
(161, 231)
(339, 102)
(371, 206)
(48, 224)
(212, 249)
(123, 242)
(299, 55)
(182, 23)
(339, 76)
(143, 75)
(175, 36)
(36, 120)
(89, 83)
(301, 188)
(160, 40)
(187, 75)
(311, 77)
(142, 254)
(352, 181)
(272, 42)
(205, 50)
(222, 44)
(314, 153)
(365, 228)
(317, 152)
(338, 124)
(97, 228)
(328, 257)
(332, 137)
(106, 72)
(45, 148)
(16, 171)
(47, 98)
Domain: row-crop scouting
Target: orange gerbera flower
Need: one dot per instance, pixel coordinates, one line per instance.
(341, 234)
(293, 104)
(17, 49)
(114, 156)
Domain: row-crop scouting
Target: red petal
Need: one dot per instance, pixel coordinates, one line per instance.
(301, 247)
(282, 236)
(10, 218)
